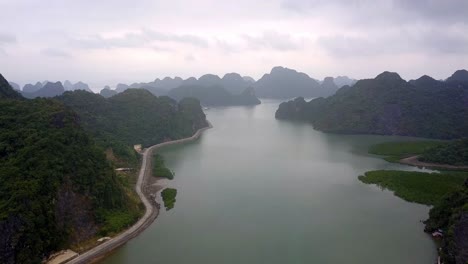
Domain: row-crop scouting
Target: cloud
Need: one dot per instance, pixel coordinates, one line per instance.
(138, 39)
(449, 11)
(161, 49)
(378, 12)
(273, 40)
(190, 57)
(430, 42)
(7, 38)
(183, 38)
(53, 52)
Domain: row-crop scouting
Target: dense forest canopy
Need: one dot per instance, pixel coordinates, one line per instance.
(56, 183)
(454, 153)
(6, 91)
(136, 116)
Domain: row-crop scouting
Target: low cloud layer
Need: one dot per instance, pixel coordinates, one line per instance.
(137, 39)
(106, 42)
(432, 42)
(7, 38)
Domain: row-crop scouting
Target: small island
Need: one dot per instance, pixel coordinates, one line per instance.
(169, 198)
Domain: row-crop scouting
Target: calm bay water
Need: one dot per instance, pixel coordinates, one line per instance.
(257, 190)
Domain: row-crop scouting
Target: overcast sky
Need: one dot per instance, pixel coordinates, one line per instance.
(109, 41)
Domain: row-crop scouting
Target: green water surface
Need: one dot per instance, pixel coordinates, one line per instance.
(257, 190)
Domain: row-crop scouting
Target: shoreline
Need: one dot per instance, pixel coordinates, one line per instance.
(413, 161)
(151, 208)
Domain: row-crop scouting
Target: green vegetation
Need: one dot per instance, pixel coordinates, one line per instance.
(115, 221)
(419, 187)
(443, 190)
(169, 198)
(447, 191)
(160, 169)
(455, 153)
(57, 187)
(388, 105)
(6, 91)
(132, 117)
(451, 216)
(395, 151)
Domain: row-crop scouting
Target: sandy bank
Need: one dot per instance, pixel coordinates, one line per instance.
(413, 161)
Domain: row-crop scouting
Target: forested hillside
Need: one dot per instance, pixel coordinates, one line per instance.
(132, 117)
(388, 105)
(57, 187)
(6, 91)
(453, 153)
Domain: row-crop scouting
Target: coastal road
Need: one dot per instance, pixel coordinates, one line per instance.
(151, 211)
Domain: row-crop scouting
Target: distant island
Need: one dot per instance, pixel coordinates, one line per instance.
(389, 105)
(230, 90)
(210, 89)
(284, 83)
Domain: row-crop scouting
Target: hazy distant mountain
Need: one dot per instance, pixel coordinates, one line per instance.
(81, 86)
(426, 81)
(282, 83)
(155, 90)
(29, 88)
(235, 83)
(49, 90)
(460, 75)
(214, 95)
(388, 105)
(107, 92)
(248, 79)
(329, 85)
(167, 83)
(68, 86)
(341, 81)
(137, 85)
(15, 86)
(209, 80)
(279, 83)
(121, 87)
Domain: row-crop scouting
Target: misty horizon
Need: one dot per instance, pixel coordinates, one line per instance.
(114, 42)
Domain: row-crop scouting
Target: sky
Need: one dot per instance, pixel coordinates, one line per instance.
(104, 42)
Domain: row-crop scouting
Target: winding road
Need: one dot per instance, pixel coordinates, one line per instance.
(151, 211)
